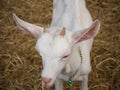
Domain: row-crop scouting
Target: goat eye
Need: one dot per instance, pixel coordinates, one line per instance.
(64, 57)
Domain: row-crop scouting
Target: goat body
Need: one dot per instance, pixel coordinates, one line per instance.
(60, 48)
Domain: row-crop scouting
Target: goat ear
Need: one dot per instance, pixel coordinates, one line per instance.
(87, 33)
(32, 29)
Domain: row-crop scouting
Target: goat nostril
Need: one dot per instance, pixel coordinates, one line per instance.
(46, 80)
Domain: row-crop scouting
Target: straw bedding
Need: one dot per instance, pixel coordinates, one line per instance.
(20, 64)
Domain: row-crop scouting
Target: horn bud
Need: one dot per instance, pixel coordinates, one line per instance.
(44, 30)
(62, 33)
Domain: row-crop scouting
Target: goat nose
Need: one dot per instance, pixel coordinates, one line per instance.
(46, 80)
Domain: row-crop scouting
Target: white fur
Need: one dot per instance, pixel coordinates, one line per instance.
(75, 17)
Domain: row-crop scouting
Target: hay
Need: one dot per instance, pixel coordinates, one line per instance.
(20, 64)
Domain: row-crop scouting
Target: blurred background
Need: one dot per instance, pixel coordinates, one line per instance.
(20, 64)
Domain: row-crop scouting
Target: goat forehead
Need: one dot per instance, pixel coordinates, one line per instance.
(52, 45)
(44, 42)
(60, 44)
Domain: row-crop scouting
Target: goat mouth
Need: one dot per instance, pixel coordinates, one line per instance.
(48, 85)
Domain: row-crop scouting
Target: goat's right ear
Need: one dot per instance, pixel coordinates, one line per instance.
(87, 33)
(32, 29)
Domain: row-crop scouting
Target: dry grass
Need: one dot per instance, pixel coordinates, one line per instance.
(20, 64)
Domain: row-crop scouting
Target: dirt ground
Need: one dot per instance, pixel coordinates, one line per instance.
(20, 64)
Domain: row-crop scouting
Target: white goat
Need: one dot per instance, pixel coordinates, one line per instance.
(65, 51)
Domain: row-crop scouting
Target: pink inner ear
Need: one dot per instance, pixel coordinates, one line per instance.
(76, 36)
(87, 33)
(90, 32)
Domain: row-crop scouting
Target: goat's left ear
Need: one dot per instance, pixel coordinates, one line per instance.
(29, 28)
(87, 33)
